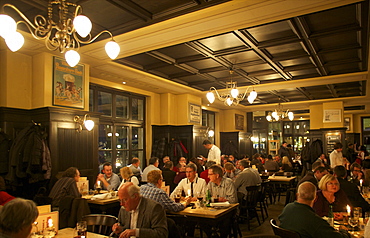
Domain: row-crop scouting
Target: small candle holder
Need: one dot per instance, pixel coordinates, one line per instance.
(49, 232)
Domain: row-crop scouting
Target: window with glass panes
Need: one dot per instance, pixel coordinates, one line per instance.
(121, 127)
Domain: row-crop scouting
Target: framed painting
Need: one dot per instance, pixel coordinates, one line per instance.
(68, 84)
(195, 113)
(239, 122)
(332, 115)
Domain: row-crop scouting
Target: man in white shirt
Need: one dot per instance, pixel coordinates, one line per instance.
(214, 153)
(192, 183)
(336, 157)
(153, 165)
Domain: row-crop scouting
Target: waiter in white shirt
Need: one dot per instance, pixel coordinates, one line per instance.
(214, 153)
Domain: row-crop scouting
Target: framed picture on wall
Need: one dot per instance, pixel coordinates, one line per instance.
(68, 84)
(195, 113)
(332, 115)
(239, 122)
(347, 123)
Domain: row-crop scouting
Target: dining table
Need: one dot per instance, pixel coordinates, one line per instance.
(70, 232)
(109, 206)
(281, 184)
(212, 216)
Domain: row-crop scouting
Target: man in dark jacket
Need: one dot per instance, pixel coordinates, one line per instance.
(283, 151)
(353, 193)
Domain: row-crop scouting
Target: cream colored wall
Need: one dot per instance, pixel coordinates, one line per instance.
(16, 80)
(227, 118)
(334, 105)
(317, 113)
(316, 116)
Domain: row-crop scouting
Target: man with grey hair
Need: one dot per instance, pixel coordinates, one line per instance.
(17, 217)
(300, 217)
(219, 186)
(139, 216)
(248, 177)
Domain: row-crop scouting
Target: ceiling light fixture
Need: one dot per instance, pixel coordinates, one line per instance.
(64, 33)
(232, 96)
(83, 121)
(279, 114)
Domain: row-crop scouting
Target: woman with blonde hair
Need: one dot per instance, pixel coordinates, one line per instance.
(127, 176)
(330, 194)
(286, 165)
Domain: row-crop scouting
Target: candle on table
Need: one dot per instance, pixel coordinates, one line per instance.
(360, 182)
(99, 184)
(266, 171)
(50, 222)
(349, 210)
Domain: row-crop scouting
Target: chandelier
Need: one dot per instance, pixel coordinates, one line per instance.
(279, 114)
(232, 96)
(64, 34)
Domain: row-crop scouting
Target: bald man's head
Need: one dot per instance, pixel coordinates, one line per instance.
(306, 192)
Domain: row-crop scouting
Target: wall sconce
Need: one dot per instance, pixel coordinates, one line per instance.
(89, 124)
(209, 132)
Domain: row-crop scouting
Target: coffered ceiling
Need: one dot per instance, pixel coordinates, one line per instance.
(321, 54)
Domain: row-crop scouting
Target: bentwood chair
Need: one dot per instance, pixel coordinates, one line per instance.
(100, 223)
(248, 204)
(283, 232)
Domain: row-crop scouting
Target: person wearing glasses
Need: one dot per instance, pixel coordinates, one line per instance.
(219, 186)
(152, 190)
(330, 194)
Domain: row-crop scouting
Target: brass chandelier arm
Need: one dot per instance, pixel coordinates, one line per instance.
(93, 39)
(19, 12)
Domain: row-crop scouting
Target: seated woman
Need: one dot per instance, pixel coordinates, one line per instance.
(127, 176)
(65, 186)
(330, 194)
(286, 165)
(4, 196)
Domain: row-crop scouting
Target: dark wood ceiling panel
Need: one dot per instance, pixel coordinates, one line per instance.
(221, 42)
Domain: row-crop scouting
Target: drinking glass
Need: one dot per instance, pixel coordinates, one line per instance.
(200, 197)
(178, 195)
(81, 229)
(352, 221)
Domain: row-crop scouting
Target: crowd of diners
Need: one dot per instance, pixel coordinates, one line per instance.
(331, 183)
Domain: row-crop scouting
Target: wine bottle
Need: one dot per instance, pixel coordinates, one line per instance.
(331, 216)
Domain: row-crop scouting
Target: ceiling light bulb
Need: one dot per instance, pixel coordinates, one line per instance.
(250, 99)
(234, 92)
(253, 95)
(290, 116)
(274, 114)
(14, 41)
(7, 25)
(211, 133)
(269, 118)
(112, 49)
(89, 124)
(229, 101)
(72, 58)
(82, 25)
(211, 97)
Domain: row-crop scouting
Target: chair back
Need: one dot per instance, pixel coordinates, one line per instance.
(283, 232)
(252, 195)
(100, 223)
(290, 195)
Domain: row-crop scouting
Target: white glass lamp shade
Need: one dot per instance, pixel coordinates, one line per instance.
(269, 118)
(211, 133)
(82, 25)
(211, 97)
(112, 49)
(253, 95)
(7, 25)
(89, 124)
(72, 58)
(290, 116)
(229, 101)
(14, 41)
(234, 92)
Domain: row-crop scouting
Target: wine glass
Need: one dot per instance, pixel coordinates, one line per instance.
(352, 221)
(200, 197)
(81, 228)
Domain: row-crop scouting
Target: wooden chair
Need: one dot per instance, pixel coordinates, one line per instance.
(290, 195)
(262, 199)
(248, 204)
(100, 223)
(283, 232)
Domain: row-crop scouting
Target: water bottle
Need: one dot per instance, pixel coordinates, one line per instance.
(331, 216)
(208, 198)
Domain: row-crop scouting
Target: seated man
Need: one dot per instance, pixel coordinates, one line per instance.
(223, 187)
(139, 216)
(300, 217)
(108, 180)
(17, 217)
(153, 165)
(230, 171)
(353, 193)
(152, 190)
(271, 165)
(65, 186)
(191, 183)
(248, 177)
(135, 168)
(314, 177)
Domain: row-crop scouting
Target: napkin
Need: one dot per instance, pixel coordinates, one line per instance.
(219, 204)
(101, 196)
